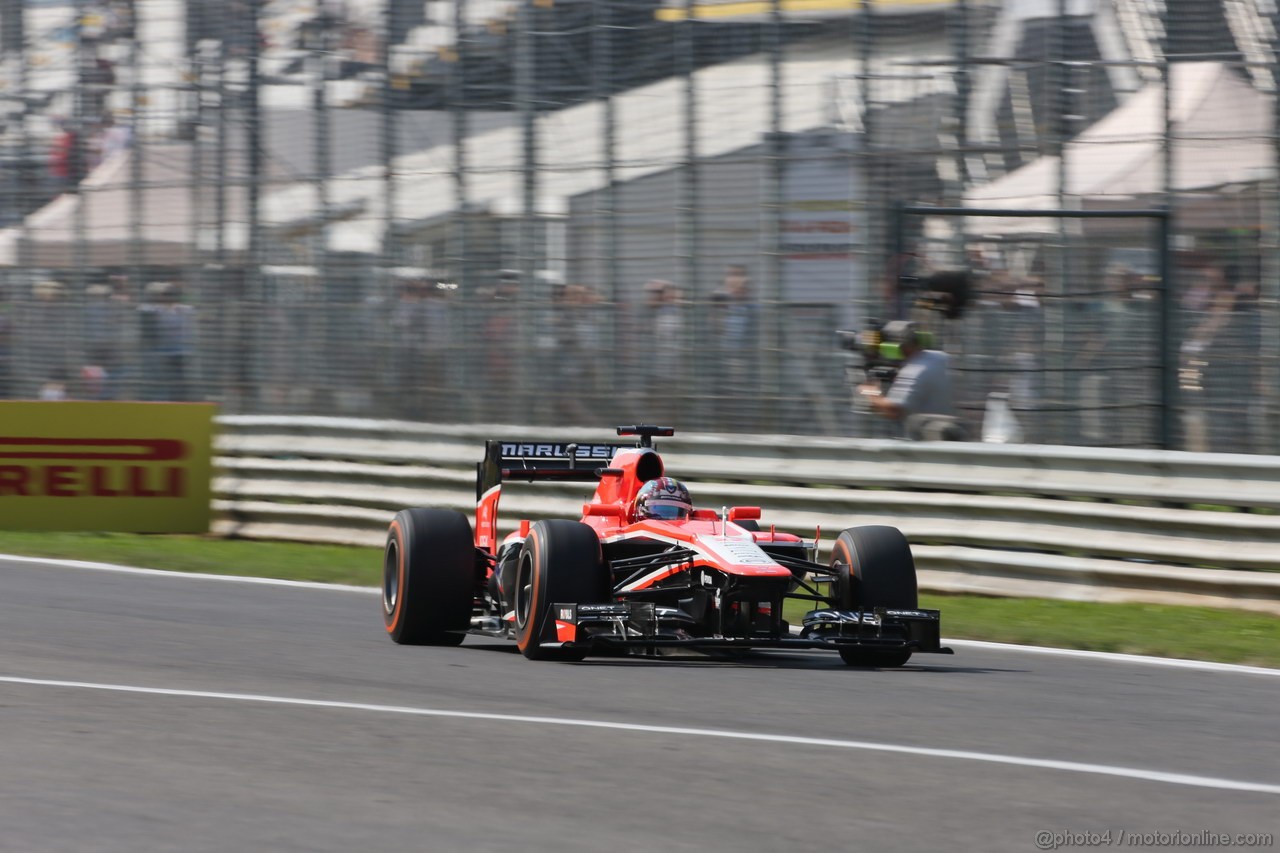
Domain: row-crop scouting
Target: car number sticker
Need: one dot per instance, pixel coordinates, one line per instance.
(743, 552)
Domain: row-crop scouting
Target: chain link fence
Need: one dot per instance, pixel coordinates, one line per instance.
(589, 213)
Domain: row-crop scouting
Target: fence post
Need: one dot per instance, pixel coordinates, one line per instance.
(602, 41)
(775, 304)
(529, 304)
(254, 285)
(385, 390)
(1171, 350)
(461, 231)
(692, 221)
(1269, 295)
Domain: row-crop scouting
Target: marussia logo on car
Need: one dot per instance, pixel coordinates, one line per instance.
(515, 450)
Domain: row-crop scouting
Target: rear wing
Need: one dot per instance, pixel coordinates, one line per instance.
(543, 460)
(562, 461)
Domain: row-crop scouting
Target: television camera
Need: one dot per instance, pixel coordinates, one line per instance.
(877, 348)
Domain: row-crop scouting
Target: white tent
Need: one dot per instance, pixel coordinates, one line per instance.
(1221, 129)
(733, 109)
(162, 226)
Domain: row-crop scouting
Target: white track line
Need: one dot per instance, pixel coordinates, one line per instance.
(1116, 657)
(990, 758)
(1110, 657)
(203, 576)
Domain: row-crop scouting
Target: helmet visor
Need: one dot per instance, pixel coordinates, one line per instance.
(666, 510)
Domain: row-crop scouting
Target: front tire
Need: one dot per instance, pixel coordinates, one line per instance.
(874, 568)
(428, 577)
(559, 562)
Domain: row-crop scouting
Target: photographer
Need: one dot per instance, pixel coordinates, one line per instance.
(920, 395)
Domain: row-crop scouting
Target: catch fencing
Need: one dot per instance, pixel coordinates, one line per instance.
(621, 210)
(1073, 523)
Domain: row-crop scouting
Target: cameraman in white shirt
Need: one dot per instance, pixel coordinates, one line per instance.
(920, 396)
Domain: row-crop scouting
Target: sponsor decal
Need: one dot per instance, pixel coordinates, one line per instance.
(554, 450)
(136, 467)
(844, 617)
(742, 552)
(603, 610)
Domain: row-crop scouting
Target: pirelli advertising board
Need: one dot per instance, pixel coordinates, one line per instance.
(130, 467)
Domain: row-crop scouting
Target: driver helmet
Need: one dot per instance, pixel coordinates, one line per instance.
(663, 498)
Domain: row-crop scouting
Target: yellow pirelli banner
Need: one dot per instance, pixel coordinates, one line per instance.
(134, 467)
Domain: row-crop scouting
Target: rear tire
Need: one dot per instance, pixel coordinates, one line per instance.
(874, 568)
(428, 577)
(559, 562)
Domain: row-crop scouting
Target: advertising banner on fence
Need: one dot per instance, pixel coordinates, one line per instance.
(131, 467)
(823, 220)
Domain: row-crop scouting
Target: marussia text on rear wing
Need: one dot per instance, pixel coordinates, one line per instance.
(555, 460)
(542, 460)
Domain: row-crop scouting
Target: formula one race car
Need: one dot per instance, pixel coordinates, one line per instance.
(642, 569)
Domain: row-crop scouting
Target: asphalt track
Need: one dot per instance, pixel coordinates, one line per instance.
(152, 712)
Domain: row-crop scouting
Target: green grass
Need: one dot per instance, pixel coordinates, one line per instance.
(1202, 633)
(1199, 633)
(291, 561)
(1185, 632)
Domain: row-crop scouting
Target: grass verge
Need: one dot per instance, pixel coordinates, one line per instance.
(288, 560)
(1184, 632)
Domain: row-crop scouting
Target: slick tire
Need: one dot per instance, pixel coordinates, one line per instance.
(559, 562)
(874, 568)
(428, 577)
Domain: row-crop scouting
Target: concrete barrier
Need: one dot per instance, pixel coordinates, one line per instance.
(1058, 522)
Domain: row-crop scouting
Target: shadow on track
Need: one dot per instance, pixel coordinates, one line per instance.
(745, 660)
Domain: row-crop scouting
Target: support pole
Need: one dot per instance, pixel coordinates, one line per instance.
(460, 265)
(254, 284)
(774, 315)
(606, 212)
(690, 219)
(530, 301)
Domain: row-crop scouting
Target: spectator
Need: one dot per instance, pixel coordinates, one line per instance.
(1108, 323)
(109, 336)
(54, 389)
(1208, 306)
(666, 336)
(420, 321)
(47, 330)
(6, 344)
(1025, 312)
(66, 159)
(736, 321)
(573, 350)
(408, 338)
(112, 138)
(1229, 340)
(499, 333)
(920, 396)
(168, 327)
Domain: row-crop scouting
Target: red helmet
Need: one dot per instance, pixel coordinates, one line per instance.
(663, 498)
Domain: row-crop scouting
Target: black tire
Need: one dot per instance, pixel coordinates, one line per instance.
(428, 577)
(874, 568)
(559, 562)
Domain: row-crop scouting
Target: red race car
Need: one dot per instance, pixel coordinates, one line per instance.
(642, 569)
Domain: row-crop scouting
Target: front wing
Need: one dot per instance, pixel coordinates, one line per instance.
(635, 624)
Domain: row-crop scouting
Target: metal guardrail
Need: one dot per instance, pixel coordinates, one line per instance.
(1058, 522)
